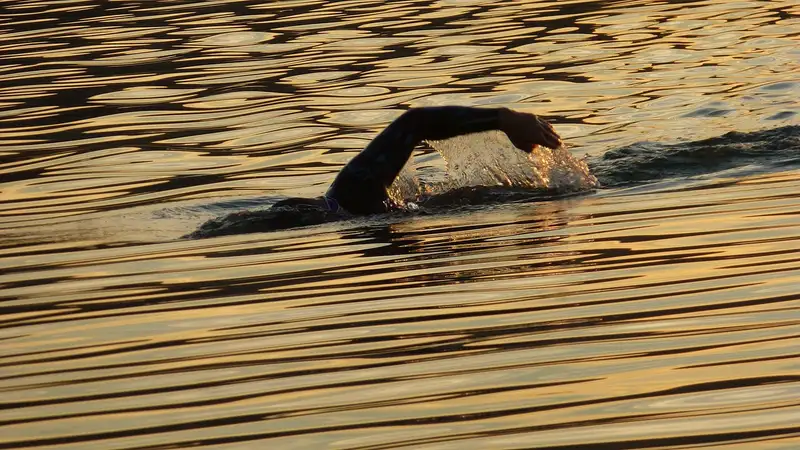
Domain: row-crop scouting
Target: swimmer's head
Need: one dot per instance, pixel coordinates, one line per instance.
(282, 215)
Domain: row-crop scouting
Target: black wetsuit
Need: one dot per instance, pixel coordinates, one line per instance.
(361, 187)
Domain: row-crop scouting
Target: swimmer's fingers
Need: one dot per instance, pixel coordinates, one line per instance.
(549, 136)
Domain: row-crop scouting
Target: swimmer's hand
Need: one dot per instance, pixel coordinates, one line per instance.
(526, 130)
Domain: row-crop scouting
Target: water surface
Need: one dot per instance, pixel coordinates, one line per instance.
(660, 310)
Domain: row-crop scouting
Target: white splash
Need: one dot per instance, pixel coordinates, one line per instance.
(489, 159)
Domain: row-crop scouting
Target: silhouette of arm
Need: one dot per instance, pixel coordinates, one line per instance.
(361, 186)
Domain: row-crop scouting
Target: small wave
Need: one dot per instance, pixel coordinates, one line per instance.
(653, 161)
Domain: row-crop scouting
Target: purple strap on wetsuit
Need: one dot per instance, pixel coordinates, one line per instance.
(332, 204)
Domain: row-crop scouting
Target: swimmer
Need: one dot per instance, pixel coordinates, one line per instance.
(362, 186)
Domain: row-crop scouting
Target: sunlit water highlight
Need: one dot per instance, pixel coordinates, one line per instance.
(656, 307)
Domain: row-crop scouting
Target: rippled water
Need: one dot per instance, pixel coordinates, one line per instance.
(659, 311)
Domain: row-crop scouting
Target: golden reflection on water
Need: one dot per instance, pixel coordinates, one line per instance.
(650, 316)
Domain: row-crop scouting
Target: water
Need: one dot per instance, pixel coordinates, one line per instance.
(660, 310)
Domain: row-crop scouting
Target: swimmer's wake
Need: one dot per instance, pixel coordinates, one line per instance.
(652, 161)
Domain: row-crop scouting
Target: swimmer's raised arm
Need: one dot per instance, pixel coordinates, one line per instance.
(361, 185)
(524, 129)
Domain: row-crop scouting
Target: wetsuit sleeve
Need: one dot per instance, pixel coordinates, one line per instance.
(361, 185)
